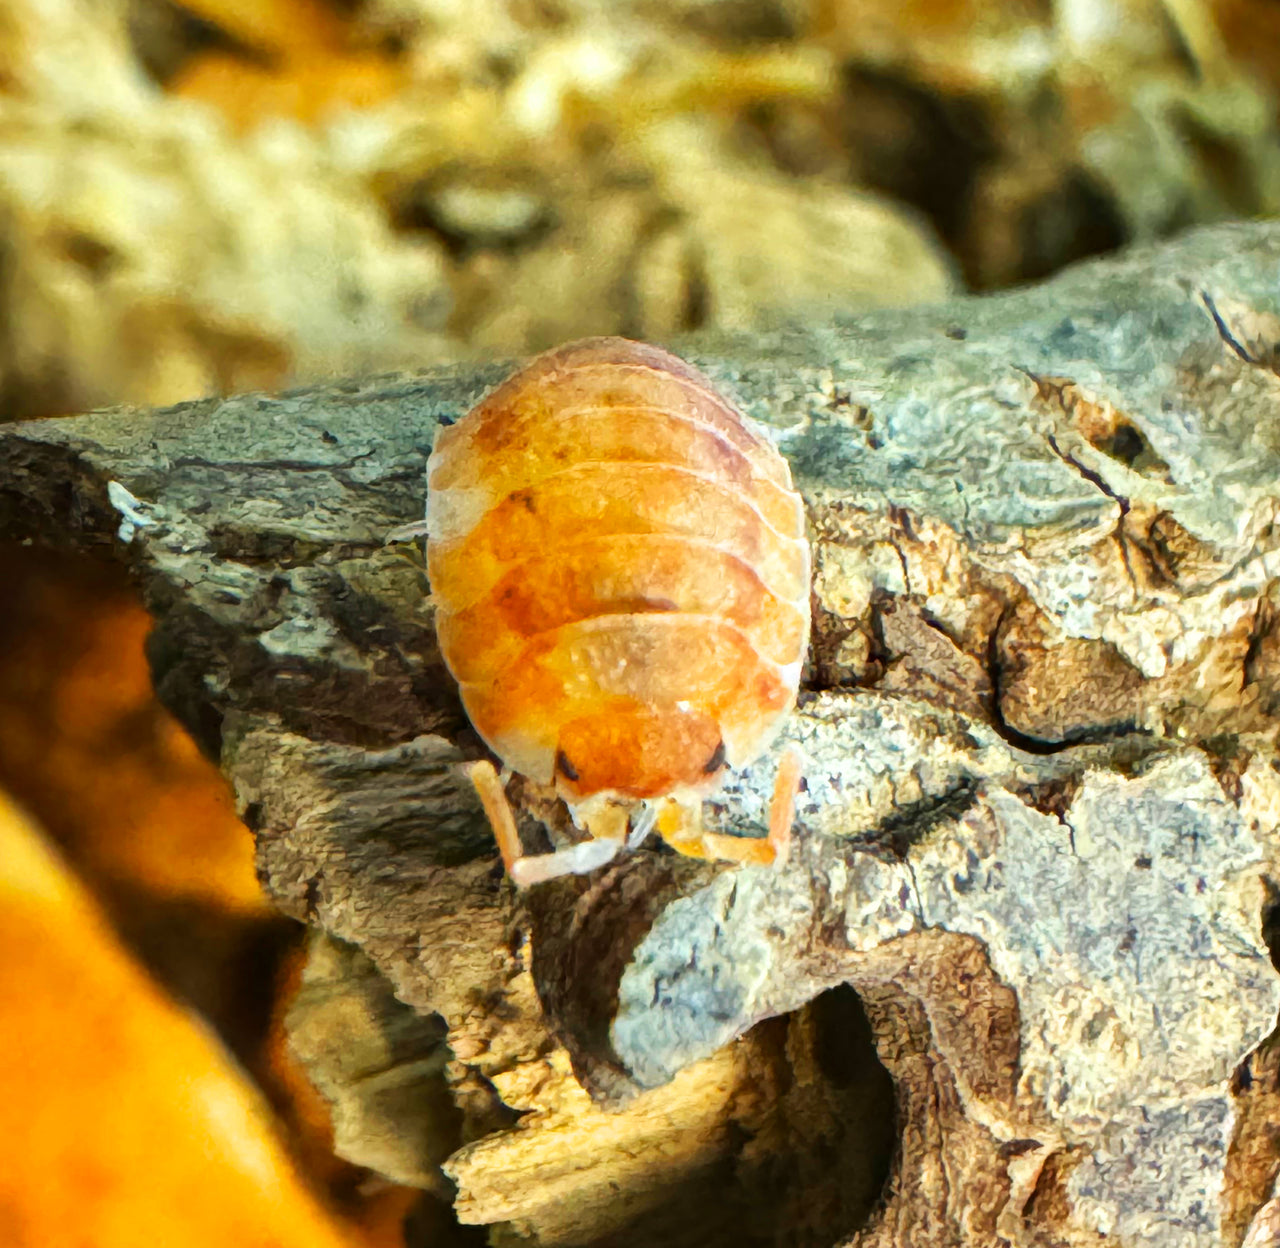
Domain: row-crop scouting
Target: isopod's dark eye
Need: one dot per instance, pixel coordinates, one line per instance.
(565, 767)
(716, 761)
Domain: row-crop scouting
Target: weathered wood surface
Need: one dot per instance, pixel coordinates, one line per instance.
(1041, 795)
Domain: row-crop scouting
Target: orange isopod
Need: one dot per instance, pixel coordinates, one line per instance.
(621, 579)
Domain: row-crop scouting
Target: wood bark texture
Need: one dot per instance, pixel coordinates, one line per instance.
(1013, 985)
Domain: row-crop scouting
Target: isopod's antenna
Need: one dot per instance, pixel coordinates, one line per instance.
(681, 825)
(493, 797)
(535, 868)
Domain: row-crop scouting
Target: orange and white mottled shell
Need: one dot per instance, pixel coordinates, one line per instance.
(621, 575)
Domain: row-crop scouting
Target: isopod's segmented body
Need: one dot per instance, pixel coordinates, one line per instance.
(621, 575)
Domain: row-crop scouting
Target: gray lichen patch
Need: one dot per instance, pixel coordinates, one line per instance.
(1129, 930)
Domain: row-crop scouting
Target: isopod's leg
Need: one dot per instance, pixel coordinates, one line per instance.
(642, 823)
(405, 539)
(406, 533)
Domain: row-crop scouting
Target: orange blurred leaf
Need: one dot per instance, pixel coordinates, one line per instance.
(86, 746)
(282, 26)
(305, 90)
(123, 1122)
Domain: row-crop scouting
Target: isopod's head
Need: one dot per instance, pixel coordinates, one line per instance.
(638, 752)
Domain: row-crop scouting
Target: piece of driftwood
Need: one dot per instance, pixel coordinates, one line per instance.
(1013, 985)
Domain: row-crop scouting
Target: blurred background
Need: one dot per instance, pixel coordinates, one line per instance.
(206, 196)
